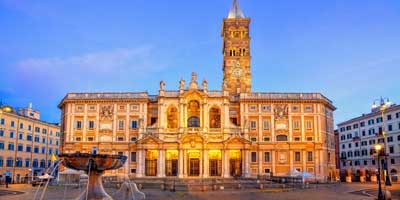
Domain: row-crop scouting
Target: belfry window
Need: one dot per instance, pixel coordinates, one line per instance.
(193, 122)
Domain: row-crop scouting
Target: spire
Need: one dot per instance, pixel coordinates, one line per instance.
(235, 11)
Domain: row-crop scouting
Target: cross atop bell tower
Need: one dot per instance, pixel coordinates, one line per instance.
(236, 51)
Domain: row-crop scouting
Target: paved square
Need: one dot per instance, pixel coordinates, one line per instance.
(353, 191)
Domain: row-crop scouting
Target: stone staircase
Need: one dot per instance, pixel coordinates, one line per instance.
(204, 184)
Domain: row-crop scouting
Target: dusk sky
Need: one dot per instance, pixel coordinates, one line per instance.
(349, 50)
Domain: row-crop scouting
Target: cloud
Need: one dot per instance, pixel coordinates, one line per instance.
(103, 61)
(139, 60)
(105, 70)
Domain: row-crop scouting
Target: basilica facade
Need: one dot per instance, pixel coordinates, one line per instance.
(194, 131)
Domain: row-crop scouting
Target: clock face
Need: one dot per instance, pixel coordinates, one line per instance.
(237, 70)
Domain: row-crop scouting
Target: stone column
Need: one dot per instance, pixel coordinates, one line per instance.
(223, 162)
(302, 128)
(160, 161)
(181, 115)
(185, 162)
(205, 163)
(247, 163)
(201, 163)
(260, 162)
(139, 164)
(290, 129)
(185, 116)
(180, 164)
(84, 123)
(315, 128)
(114, 123)
(72, 125)
(260, 126)
(126, 124)
(127, 171)
(226, 164)
(201, 116)
(97, 123)
(304, 159)
(206, 116)
(272, 128)
(291, 160)
(321, 166)
(225, 114)
(145, 115)
(273, 162)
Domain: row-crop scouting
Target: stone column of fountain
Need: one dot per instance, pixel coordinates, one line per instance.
(94, 165)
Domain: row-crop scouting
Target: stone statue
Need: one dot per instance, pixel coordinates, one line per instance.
(162, 85)
(204, 85)
(224, 86)
(194, 77)
(193, 83)
(181, 84)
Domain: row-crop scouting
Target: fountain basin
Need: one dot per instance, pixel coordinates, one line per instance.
(94, 165)
(98, 162)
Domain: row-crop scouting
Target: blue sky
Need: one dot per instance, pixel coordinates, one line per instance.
(346, 49)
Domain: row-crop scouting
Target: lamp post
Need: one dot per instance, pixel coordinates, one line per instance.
(378, 148)
(383, 104)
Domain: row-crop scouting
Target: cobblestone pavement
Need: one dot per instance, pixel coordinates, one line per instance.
(354, 191)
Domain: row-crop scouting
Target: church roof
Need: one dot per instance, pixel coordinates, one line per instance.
(235, 11)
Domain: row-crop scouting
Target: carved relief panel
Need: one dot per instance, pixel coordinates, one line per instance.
(281, 118)
(106, 114)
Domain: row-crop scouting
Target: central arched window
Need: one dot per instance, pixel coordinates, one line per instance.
(215, 117)
(172, 117)
(194, 122)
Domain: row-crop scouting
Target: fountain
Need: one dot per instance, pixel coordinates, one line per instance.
(94, 165)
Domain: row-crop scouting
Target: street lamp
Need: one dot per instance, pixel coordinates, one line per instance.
(378, 149)
(383, 104)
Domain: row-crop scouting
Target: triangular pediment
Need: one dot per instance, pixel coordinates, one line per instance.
(148, 139)
(237, 139)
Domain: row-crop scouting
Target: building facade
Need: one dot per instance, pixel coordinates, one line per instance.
(26, 142)
(196, 132)
(359, 135)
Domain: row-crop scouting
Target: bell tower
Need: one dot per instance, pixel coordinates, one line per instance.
(236, 51)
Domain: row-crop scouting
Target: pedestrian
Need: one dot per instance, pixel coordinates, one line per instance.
(7, 176)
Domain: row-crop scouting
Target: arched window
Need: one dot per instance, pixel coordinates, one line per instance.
(27, 162)
(172, 117)
(35, 163)
(42, 163)
(281, 138)
(215, 117)
(194, 122)
(193, 113)
(18, 162)
(10, 162)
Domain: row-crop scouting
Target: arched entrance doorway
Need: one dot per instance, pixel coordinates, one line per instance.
(235, 163)
(151, 162)
(194, 163)
(171, 163)
(215, 162)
